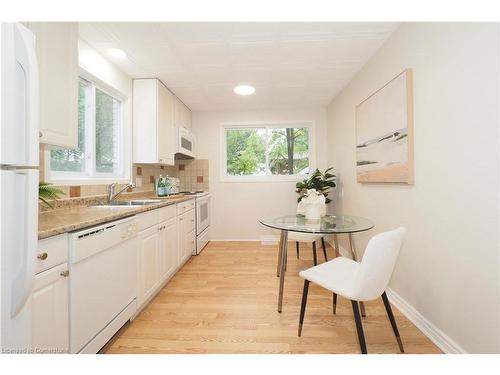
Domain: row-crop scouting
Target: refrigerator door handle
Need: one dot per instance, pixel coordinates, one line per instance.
(28, 60)
(23, 281)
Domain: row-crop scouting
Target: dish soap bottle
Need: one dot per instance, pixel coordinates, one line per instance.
(160, 186)
(168, 186)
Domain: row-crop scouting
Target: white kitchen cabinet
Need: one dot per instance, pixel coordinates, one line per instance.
(148, 264)
(50, 322)
(169, 253)
(57, 54)
(187, 236)
(153, 118)
(166, 241)
(182, 114)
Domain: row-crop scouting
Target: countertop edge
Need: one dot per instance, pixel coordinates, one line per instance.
(71, 227)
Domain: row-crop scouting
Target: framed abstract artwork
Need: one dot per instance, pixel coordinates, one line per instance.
(384, 133)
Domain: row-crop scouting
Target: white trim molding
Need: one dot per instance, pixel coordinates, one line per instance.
(438, 337)
(309, 124)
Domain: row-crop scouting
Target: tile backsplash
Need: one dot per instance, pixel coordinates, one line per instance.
(192, 173)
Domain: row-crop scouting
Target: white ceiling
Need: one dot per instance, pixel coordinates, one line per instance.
(289, 64)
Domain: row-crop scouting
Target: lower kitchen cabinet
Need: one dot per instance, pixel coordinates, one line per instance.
(148, 263)
(50, 325)
(169, 243)
(187, 236)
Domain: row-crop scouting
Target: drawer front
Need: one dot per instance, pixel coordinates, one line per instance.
(185, 206)
(51, 252)
(187, 221)
(147, 219)
(167, 213)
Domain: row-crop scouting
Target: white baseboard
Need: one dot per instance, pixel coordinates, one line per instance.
(233, 240)
(264, 240)
(269, 240)
(438, 337)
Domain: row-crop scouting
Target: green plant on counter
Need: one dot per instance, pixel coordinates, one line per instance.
(322, 182)
(47, 193)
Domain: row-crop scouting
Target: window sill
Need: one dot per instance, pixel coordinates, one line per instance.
(273, 179)
(88, 182)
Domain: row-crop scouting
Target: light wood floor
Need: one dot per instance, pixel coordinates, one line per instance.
(225, 301)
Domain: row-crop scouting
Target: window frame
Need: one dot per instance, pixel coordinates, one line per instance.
(224, 177)
(90, 176)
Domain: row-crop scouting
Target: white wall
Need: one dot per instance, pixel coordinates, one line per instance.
(238, 206)
(448, 268)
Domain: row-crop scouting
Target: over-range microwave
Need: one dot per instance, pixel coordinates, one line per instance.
(185, 143)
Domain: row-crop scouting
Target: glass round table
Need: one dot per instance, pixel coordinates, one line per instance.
(327, 225)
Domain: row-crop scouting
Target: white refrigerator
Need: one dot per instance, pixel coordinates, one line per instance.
(19, 113)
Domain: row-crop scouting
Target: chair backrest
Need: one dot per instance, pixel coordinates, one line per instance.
(378, 264)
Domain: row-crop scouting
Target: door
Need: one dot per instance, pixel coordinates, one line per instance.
(19, 245)
(149, 265)
(57, 53)
(202, 214)
(50, 311)
(169, 239)
(186, 142)
(165, 126)
(19, 97)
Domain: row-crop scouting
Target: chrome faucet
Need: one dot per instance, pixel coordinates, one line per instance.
(111, 190)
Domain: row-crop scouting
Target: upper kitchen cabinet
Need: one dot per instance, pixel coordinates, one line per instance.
(154, 136)
(57, 54)
(182, 117)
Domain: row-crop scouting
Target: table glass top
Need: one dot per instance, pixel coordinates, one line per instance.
(326, 225)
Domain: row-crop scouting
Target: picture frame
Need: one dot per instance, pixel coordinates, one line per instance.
(384, 133)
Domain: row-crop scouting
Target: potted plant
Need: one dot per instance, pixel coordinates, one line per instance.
(47, 193)
(321, 182)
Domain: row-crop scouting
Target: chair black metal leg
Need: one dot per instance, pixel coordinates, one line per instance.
(314, 254)
(324, 248)
(359, 326)
(334, 303)
(303, 305)
(297, 245)
(393, 321)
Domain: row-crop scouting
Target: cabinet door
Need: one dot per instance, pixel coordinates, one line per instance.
(169, 239)
(149, 267)
(57, 54)
(187, 236)
(187, 118)
(165, 125)
(178, 112)
(50, 310)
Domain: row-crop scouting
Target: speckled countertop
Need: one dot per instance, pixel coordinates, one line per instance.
(63, 220)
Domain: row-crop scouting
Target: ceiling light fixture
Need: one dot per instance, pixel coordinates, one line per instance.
(117, 53)
(244, 90)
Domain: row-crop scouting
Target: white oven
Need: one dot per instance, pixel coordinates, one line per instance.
(202, 221)
(185, 142)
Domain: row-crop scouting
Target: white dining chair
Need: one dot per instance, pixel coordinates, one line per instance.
(359, 282)
(309, 238)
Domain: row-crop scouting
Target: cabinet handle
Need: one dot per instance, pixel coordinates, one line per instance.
(42, 256)
(65, 273)
(40, 134)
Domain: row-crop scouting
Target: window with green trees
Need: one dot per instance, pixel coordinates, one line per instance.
(267, 151)
(100, 139)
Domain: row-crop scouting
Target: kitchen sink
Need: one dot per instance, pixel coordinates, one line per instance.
(128, 204)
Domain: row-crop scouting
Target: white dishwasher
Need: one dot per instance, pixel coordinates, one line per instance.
(103, 283)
